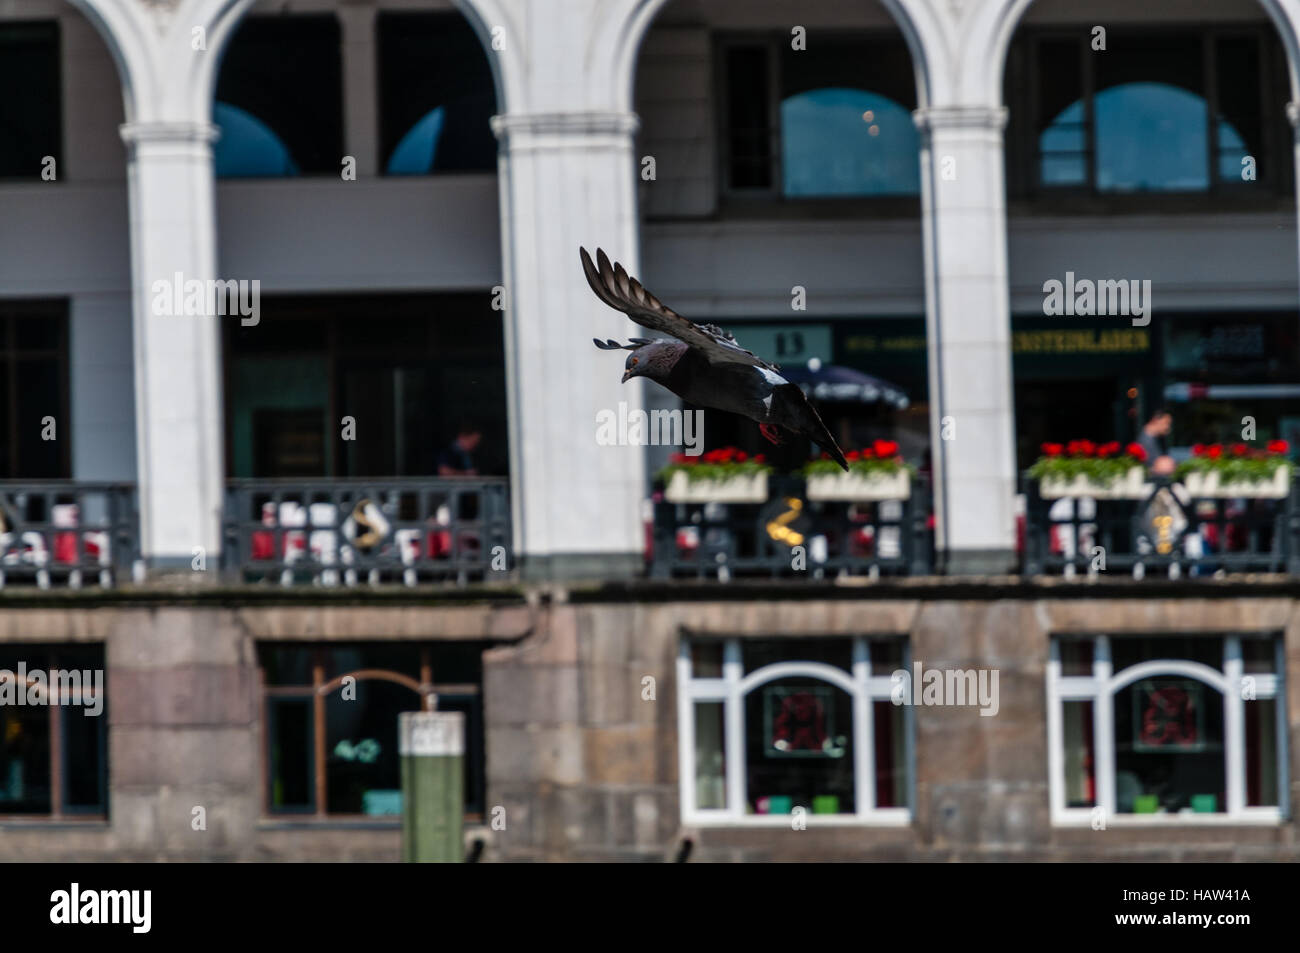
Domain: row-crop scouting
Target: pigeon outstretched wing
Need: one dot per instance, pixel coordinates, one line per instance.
(620, 291)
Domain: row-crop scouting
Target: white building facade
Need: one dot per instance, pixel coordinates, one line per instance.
(585, 91)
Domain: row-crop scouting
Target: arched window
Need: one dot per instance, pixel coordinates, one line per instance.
(837, 141)
(436, 95)
(775, 728)
(1167, 111)
(248, 147)
(1150, 137)
(1165, 730)
(332, 722)
(279, 98)
(829, 125)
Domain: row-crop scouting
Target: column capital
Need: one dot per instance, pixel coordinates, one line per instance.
(172, 138)
(989, 118)
(565, 124)
(164, 131)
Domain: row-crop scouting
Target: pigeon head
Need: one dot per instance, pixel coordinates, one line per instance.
(654, 360)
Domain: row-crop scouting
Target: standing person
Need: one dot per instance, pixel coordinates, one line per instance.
(1152, 440)
(458, 458)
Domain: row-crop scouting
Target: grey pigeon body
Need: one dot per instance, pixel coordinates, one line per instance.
(702, 364)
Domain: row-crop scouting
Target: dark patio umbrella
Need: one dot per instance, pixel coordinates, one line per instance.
(833, 384)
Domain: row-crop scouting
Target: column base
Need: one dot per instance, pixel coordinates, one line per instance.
(572, 567)
(979, 562)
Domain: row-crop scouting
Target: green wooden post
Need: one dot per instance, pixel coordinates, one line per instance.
(432, 747)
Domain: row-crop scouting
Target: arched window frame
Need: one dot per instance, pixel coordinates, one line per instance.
(1100, 688)
(863, 687)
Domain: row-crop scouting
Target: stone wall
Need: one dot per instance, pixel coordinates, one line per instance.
(582, 761)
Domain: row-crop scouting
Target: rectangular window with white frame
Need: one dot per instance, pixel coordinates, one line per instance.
(1166, 729)
(774, 727)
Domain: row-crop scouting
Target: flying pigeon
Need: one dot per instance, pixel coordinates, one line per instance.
(703, 364)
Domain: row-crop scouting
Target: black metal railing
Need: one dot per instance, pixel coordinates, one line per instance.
(358, 531)
(1166, 530)
(790, 535)
(68, 532)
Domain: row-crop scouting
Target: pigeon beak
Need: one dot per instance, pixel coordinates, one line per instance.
(627, 376)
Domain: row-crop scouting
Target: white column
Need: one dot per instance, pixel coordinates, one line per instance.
(177, 358)
(968, 328)
(567, 180)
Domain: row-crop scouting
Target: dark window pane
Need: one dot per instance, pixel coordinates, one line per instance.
(748, 118)
(407, 377)
(31, 116)
(436, 95)
(1169, 747)
(1261, 753)
(39, 392)
(1150, 113)
(891, 754)
(291, 776)
(363, 770)
(84, 773)
(1076, 657)
(1127, 651)
(1240, 119)
(1258, 655)
(1061, 123)
(41, 333)
(799, 747)
(24, 760)
(279, 98)
(760, 652)
(846, 119)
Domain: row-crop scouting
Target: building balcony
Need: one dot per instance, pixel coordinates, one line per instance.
(68, 533)
(457, 531)
(348, 532)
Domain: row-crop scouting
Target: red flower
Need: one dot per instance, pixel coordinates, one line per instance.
(1198, 449)
(760, 458)
(680, 458)
(886, 448)
(740, 456)
(1052, 449)
(852, 455)
(1214, 451)
(1278, 446)
(1135, 450)
(1239, 450)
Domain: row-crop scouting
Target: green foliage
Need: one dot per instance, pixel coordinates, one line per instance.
(1101, 471)
(1250, 469)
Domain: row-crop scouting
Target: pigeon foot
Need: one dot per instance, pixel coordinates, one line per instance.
(771, 433)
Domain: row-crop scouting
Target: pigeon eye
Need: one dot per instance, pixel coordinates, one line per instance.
(635, 359)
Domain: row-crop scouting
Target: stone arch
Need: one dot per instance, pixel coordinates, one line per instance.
(1002, 20)
(508, 65)
(920, 29)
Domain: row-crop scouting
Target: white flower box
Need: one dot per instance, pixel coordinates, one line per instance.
(749, 488)
(860, 487)
(1211, 486)
(1130, 486)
